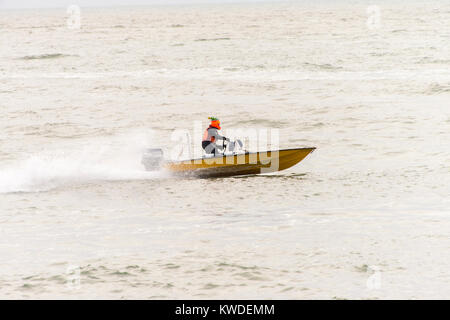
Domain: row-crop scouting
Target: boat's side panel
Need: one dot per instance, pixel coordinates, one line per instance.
(292, 158)
(249, 163)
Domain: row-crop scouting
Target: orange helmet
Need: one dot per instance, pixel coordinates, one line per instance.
(215, 123)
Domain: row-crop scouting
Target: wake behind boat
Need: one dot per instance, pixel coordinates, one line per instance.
(228, 164)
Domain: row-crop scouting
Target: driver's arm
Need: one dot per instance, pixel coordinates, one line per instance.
(215, 133)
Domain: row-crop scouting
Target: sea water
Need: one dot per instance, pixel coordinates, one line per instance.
(84, 91)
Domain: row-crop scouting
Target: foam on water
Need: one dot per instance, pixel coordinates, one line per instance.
(97, 160)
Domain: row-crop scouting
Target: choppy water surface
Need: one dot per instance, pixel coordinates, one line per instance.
(365, 216)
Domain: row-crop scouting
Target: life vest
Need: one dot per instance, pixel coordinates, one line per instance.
(207, 137)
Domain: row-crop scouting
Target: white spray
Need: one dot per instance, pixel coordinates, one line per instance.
(111, 159)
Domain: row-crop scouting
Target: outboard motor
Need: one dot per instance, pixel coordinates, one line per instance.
(152, 159)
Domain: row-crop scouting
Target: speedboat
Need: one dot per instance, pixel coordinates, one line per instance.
(227, 163)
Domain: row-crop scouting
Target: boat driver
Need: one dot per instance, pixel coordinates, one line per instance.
(211, 135)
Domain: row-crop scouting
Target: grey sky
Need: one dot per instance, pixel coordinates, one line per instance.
(13, 4)
(100, 3)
